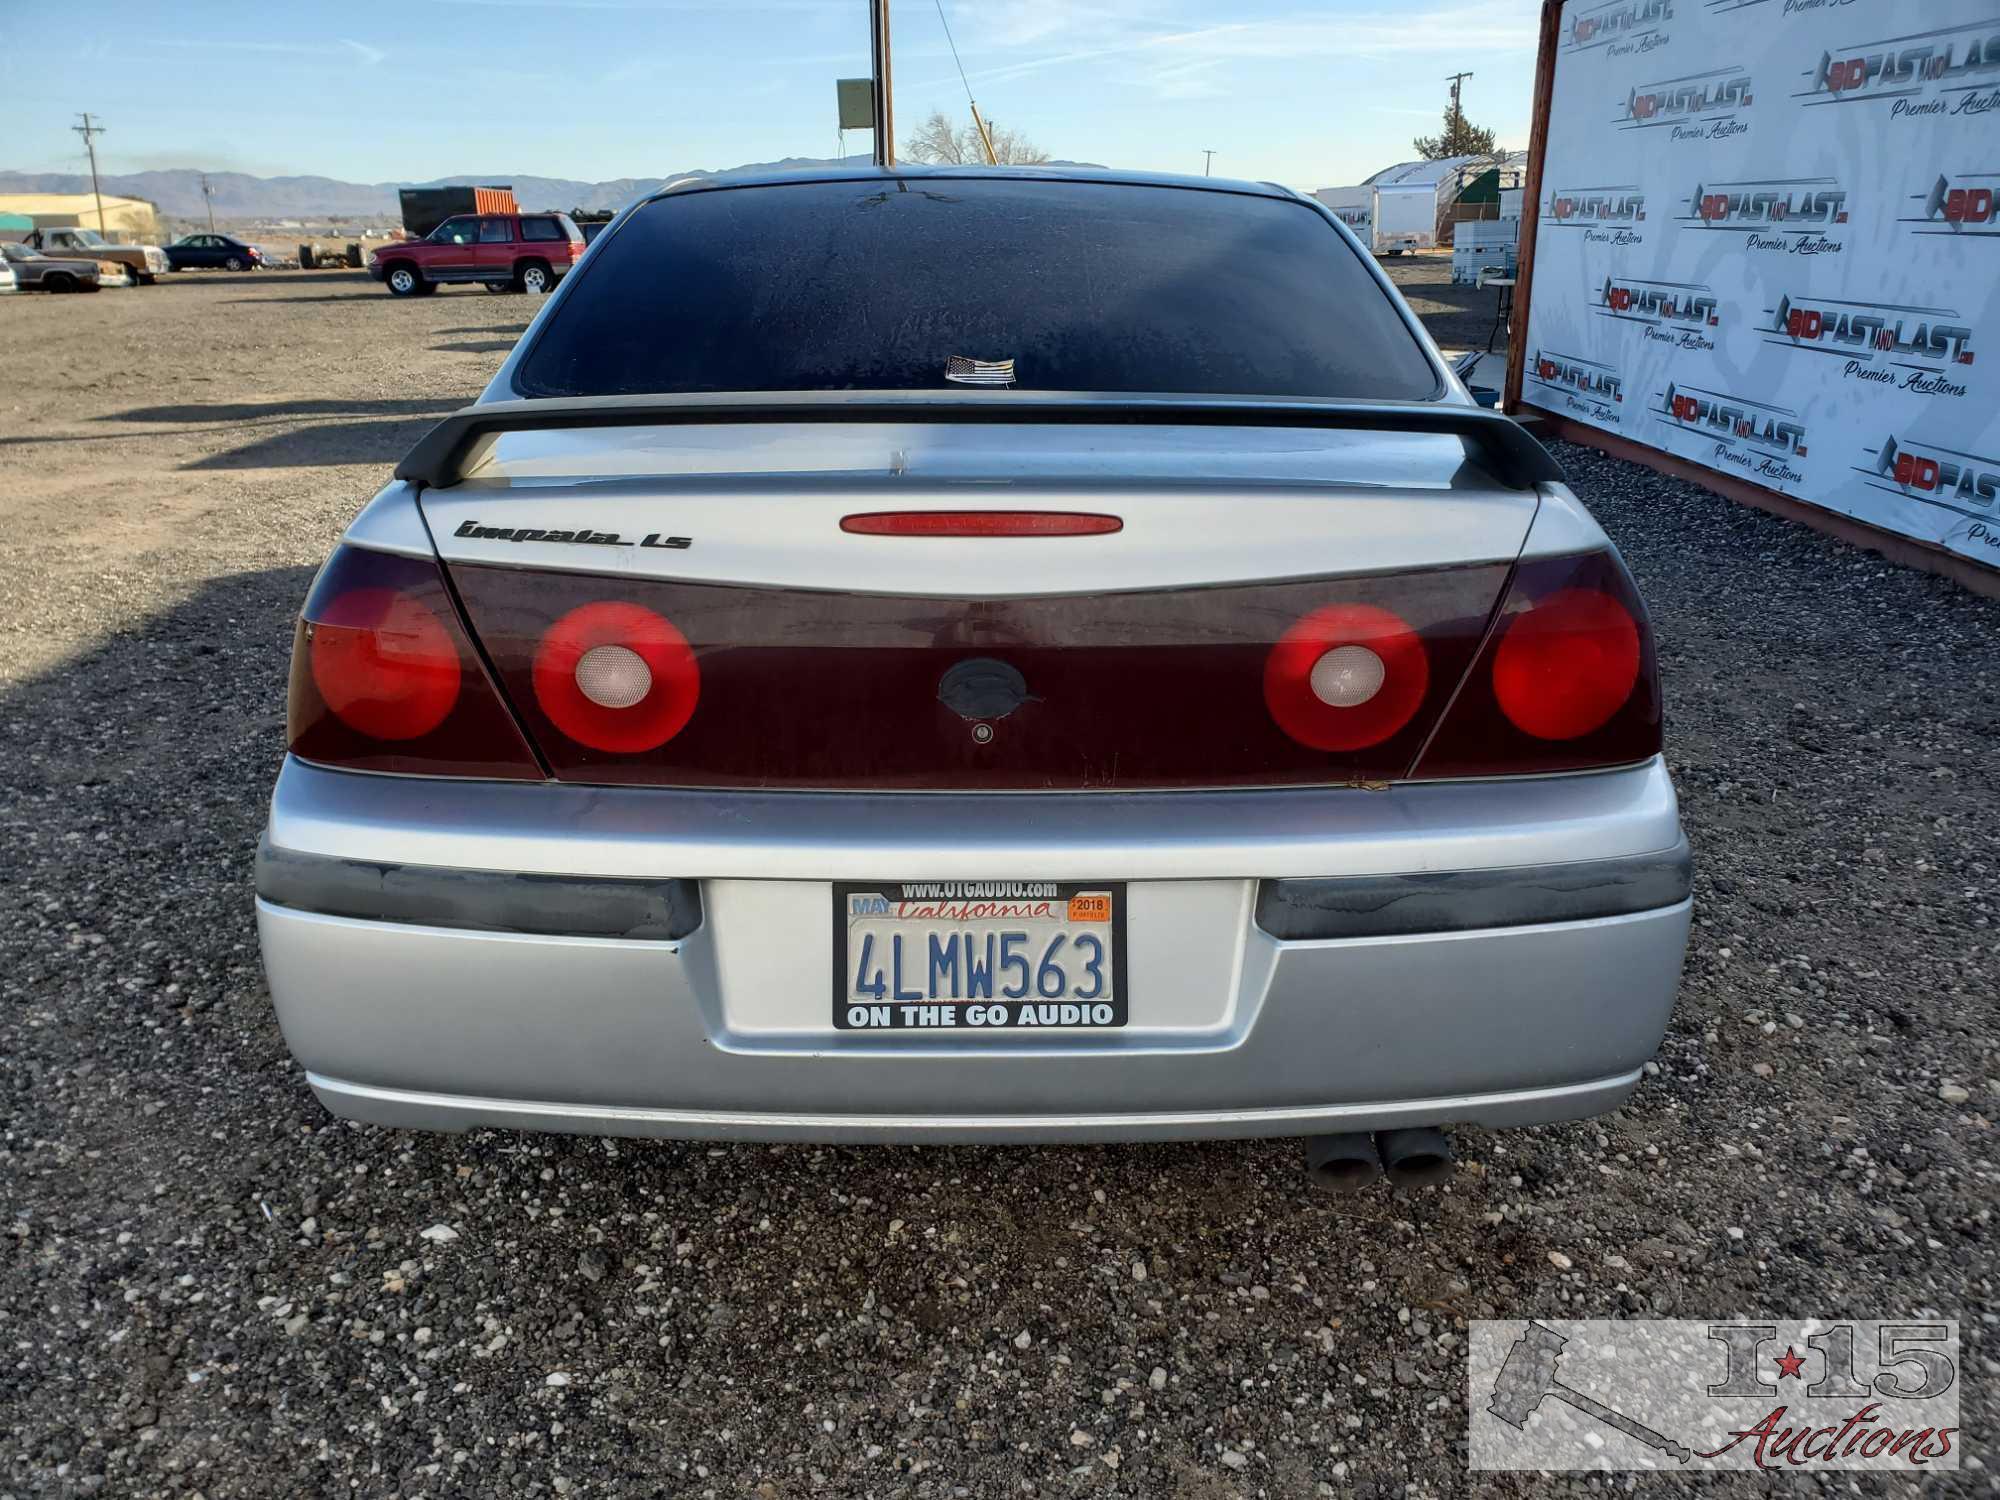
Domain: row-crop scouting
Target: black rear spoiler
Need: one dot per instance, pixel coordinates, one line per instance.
(1502, 447)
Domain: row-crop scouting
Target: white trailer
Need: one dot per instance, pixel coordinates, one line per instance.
(1354, 207)
(1405, 217)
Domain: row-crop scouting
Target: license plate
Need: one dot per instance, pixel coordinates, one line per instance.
(978, 955)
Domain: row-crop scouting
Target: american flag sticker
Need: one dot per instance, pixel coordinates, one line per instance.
(965, 371)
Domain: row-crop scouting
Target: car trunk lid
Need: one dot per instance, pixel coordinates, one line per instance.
(1173, 651)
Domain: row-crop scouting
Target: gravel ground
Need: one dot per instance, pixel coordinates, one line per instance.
(211, 1288)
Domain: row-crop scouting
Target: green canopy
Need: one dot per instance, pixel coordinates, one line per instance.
(1485, 188)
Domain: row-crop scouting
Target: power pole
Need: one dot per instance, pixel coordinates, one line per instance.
(885, 115)
(1457, 115)
(88, 131)
(208, 197)
(1207, 160)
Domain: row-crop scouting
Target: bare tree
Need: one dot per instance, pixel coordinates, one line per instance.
(941, 142)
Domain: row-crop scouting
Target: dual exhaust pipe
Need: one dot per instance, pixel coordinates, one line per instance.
(1413, 1158)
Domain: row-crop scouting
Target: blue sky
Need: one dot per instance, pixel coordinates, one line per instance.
(1310, 94)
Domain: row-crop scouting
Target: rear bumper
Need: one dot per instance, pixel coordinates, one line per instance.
(1499, 954)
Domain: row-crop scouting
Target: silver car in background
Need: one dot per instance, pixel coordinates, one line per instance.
(34, 271)
(976, 655)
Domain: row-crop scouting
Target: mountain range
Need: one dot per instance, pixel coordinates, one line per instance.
(238, 195)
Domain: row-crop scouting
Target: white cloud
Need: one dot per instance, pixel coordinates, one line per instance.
(369, 55)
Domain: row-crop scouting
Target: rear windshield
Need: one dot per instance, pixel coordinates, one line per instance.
(890, 284)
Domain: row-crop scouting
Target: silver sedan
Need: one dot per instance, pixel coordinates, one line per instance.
(1016, 656)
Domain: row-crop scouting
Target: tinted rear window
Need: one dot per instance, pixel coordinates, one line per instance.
(541, 229)
(875, 285)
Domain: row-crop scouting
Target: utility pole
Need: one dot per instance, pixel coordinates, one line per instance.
(1455, 79)
(1208, 160)
(88, 131)
(208, 197)
(885, 115)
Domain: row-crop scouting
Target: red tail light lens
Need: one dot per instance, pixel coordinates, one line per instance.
(385, 679)
(1567, 679)
(1567, 665)
(1346, 677)
(385, 663)
(616, 676)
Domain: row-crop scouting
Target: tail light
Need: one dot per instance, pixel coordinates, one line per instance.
(616, 676)
(1567, 679)
(662, 682)
(385, 679)
(1346, 677)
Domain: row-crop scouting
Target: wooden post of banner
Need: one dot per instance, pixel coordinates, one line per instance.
(1531, 203)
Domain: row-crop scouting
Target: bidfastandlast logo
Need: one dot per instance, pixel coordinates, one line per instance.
(1920, 349)
(1959, 205)
(1679, 313)
(1606, 215)
(1583, 386)
(1700, 107)
(1620, 27)
(1682, 1395)
(1953, 70)
(1965, 482)
(1786, 214)
(1754, 436)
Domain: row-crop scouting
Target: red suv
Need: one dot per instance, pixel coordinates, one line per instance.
(509, 252)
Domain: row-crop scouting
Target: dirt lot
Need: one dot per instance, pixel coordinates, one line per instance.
(211, 1288)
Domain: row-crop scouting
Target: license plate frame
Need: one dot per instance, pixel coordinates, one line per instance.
(978, 893)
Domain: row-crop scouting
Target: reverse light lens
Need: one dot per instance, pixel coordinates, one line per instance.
(384, 663)
(613, 676)
(617, 677)
(1321, 688)
(1347, 676)
(1567, 665)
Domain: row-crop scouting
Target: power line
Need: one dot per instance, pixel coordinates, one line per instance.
(88, 131)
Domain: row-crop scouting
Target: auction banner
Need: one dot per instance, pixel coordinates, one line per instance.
(1768, 244)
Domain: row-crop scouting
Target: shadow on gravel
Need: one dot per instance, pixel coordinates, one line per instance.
(354, 432)
(353, 294)
(395, 427)
(497, 346)
(255, 411)
(514, 328)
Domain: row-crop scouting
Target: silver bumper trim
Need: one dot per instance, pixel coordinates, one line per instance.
(1411, 828)
(413, 1108)
(1465, 900)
